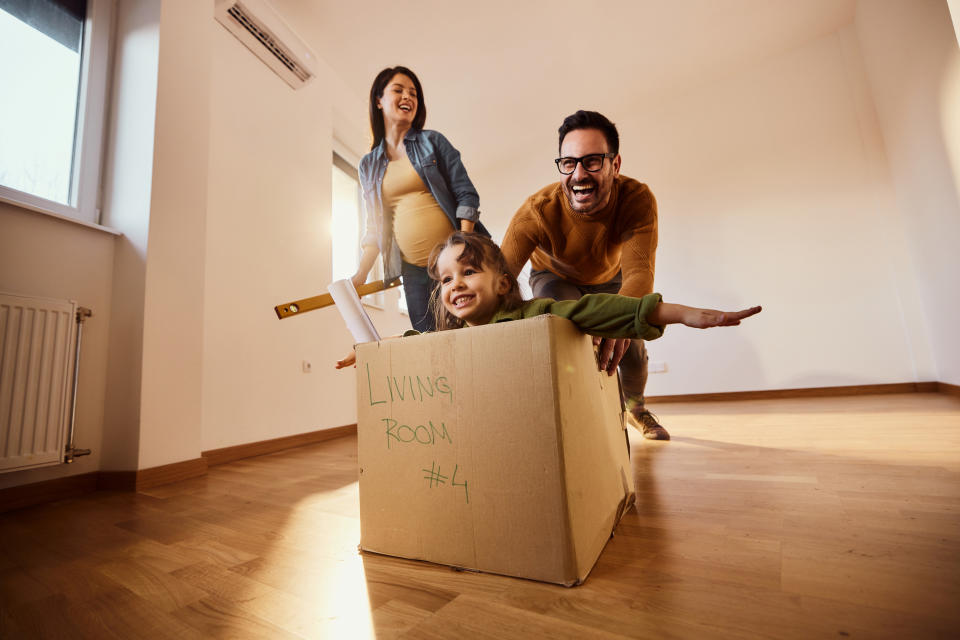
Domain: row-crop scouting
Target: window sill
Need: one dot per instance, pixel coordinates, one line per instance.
(19, 204)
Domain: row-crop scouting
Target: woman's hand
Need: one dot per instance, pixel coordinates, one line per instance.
(369, 256)
(348, 361)
(466, 225)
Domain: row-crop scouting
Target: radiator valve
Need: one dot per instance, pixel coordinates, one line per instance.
(74, 453)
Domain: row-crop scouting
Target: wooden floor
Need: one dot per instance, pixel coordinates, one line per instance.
(813, 518)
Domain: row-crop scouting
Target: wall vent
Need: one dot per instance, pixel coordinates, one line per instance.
(258, 26)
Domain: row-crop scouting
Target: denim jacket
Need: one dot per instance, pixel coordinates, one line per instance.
(438, 164)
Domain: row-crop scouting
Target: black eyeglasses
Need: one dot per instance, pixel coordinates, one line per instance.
(592, 162)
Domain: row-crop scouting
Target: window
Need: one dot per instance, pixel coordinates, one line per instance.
(345, 222)
(346, 227)
(53, 64)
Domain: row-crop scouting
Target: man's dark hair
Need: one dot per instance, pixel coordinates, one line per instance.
(591, 120)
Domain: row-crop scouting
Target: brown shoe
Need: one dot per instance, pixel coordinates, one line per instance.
(652, 430)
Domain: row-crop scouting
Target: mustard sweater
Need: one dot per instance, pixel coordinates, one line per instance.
(592, 248)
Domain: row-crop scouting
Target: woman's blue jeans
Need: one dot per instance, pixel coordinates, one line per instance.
(417, 287)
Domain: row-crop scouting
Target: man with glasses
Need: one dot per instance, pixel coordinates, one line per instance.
(595, 231)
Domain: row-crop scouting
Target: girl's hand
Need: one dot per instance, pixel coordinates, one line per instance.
(348, 361)
(706, 318)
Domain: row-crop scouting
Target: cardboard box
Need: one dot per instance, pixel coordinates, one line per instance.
(498, 448)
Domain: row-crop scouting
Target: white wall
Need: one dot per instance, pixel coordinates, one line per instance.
(43, 256)
(170, 407)
(773, 190)
(913, 63)
(126, 207)
(268, 241)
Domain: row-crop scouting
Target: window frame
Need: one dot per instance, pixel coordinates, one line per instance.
(87, 161)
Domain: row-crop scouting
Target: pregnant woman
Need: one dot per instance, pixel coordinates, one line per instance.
(416, 191)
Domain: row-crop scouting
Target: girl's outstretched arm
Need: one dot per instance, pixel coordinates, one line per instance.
(351, 358)
(668, 313)
(348, 361)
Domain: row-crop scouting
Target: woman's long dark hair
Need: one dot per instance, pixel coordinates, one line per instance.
(479, 252)
(376, 92)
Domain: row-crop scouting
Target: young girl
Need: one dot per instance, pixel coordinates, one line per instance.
(476, 288)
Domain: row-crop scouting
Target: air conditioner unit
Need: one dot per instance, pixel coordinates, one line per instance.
(257, 25)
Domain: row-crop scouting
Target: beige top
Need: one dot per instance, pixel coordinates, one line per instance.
(419, 223)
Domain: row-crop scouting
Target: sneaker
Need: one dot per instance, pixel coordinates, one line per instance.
(651, 429)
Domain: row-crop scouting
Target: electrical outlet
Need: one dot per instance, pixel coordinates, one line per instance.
(656, 366)
(307, 367)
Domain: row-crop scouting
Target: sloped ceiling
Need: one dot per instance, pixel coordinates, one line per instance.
(501, 74)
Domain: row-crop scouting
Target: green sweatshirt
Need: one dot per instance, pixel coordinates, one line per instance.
(607, 315)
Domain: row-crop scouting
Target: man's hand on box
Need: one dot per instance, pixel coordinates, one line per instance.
(611, 353)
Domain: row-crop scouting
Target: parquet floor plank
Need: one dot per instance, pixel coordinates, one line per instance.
(78, 580)
(216, 618)
(470, 617)
(48, 618)
(126, 615)
(395, 617)
(162, 589)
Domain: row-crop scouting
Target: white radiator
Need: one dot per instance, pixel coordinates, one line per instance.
(38, 351)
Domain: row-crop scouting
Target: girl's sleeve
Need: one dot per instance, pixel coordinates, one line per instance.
(468, 200)
(610, 315)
